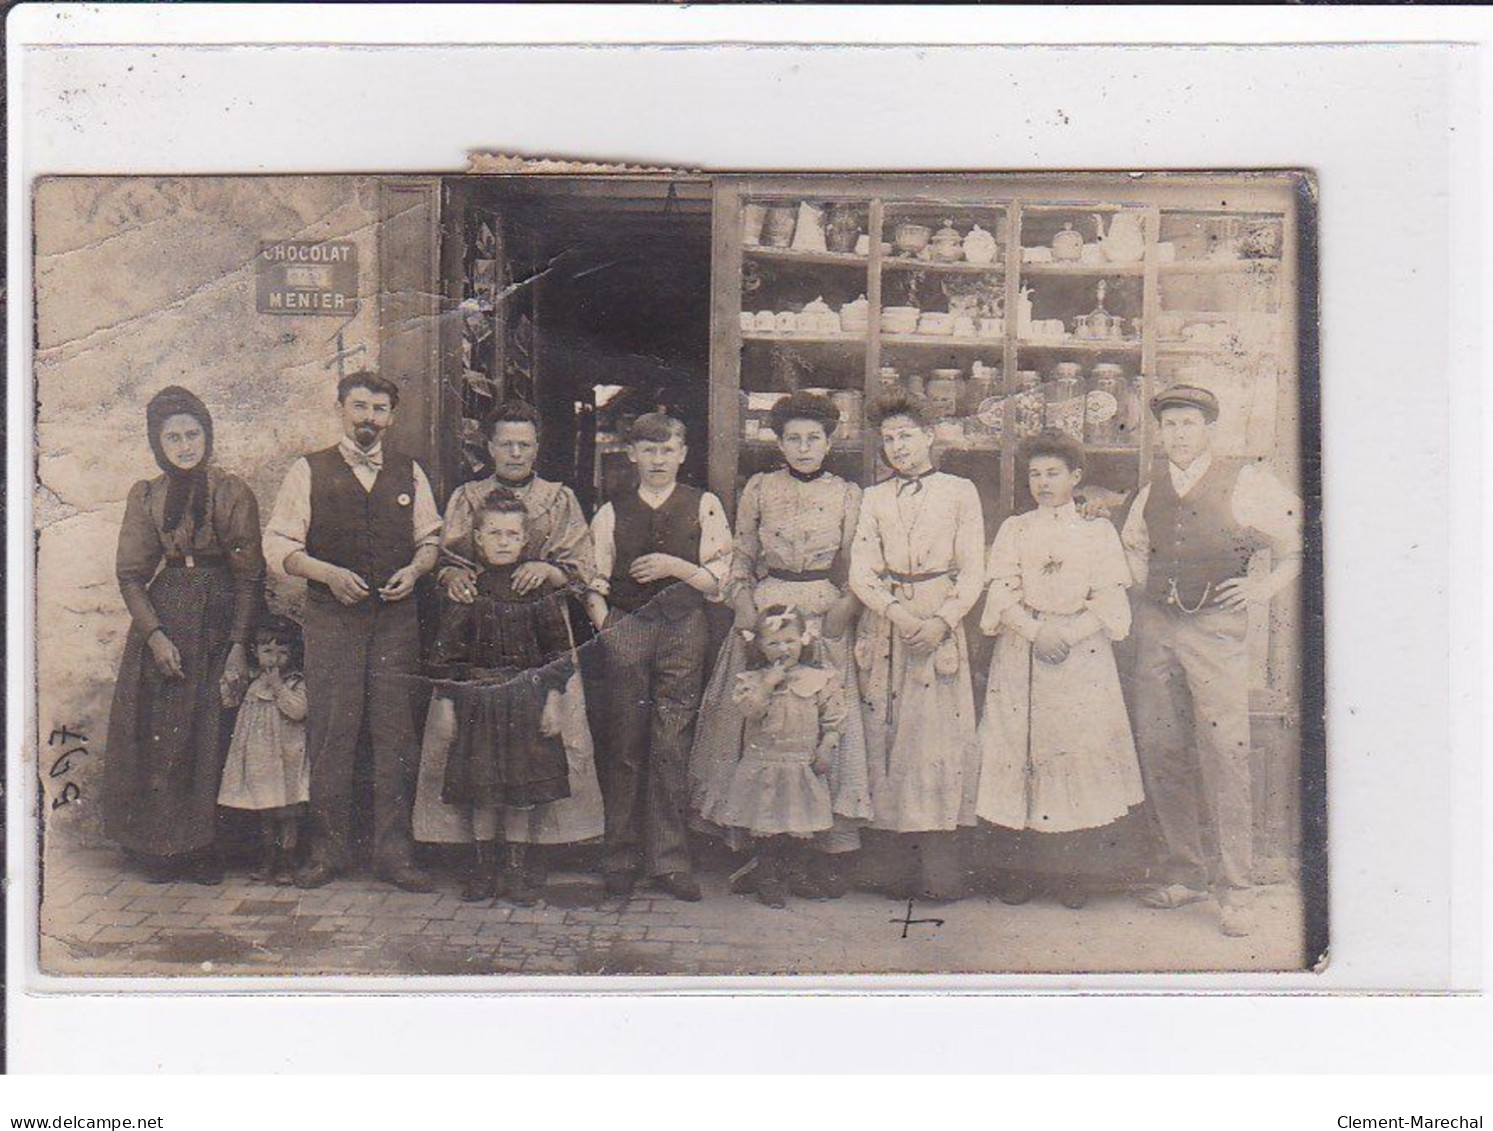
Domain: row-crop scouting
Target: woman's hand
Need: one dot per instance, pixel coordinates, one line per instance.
(532, 575)
(746, 614)
(235, 676)
(1098, 502)
(1049, 646)
(460, 585)
(904, 622)
(928, 635)
(167, 658)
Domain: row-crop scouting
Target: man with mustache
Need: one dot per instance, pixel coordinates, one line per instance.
(359, 523)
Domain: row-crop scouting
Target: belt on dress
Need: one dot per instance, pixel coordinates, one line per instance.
(912, 578)
(799, 575)
(902, 583)
(196, 561)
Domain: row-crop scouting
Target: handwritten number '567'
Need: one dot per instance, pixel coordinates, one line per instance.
(62, 765)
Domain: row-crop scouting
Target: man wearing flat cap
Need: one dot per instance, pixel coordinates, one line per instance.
(1189, 538)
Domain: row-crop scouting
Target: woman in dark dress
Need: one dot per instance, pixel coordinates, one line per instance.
(191, 569)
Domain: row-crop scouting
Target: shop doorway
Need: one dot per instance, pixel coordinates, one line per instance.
(590, 299)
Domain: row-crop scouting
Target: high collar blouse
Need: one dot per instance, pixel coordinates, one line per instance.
(783, 523)
(1052, 560)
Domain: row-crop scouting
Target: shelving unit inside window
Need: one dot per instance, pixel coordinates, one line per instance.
(1012, 303)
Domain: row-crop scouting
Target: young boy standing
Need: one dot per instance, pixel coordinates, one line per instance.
(662, 550)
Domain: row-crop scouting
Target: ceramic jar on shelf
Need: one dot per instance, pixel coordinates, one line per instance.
(778, 225)
(1067, 245)
(842, 229)
(979, 247)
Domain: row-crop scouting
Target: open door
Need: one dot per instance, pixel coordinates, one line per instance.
(590, 299)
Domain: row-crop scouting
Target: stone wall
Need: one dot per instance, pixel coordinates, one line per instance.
(143, 283)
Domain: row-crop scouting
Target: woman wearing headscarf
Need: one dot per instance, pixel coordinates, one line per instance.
(190, 568)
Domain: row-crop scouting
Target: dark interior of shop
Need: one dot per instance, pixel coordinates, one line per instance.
(601, 303)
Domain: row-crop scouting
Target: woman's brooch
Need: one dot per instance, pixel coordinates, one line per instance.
(1052, 565)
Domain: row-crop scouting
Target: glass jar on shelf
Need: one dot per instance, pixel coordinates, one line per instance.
(1027, 405)
(888, 382)
(1107, 407)
(1063, 410)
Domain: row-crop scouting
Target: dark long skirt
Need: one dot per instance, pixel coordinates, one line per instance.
(164, 758)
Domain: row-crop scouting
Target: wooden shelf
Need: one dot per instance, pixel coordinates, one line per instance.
(1083, 268)
(1129, 345)
(1220, 267)
(788, 255)
(853, 447)
(961, 342)
(803, 339)
(994, 449)
(1198, 349)
(958, 267)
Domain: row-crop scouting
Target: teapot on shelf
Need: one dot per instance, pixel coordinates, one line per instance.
(947, 245)
(1126, 241)
(1067, 245)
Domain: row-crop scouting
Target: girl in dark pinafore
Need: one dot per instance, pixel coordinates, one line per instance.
(503, 660)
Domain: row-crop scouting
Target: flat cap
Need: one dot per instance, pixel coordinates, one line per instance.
(1186, 396)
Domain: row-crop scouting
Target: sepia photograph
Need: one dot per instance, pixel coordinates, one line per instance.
(623, 571)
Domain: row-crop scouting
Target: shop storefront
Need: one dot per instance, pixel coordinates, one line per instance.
(1012, 302)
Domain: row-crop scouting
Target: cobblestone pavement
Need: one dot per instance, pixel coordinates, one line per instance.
(100, 918)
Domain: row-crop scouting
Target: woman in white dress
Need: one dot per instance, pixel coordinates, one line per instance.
(1058, 760)
(917, 565)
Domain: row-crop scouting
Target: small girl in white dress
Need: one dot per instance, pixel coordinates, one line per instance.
(778, 791)
(1058, 757)
(267, 768)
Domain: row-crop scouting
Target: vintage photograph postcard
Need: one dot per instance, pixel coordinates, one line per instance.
(676, 573)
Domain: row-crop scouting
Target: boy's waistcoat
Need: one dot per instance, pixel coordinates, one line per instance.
(1196, 543)
(372, 532)
(673, 528)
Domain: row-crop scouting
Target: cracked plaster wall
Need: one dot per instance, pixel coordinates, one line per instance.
(143, 283)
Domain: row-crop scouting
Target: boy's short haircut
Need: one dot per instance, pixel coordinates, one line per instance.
(367, 379)
(656, 428)
(1053, 445)
(902, 404)
(500, 500)
(511, 412)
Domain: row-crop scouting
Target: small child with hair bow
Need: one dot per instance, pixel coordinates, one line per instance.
(795, 716)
